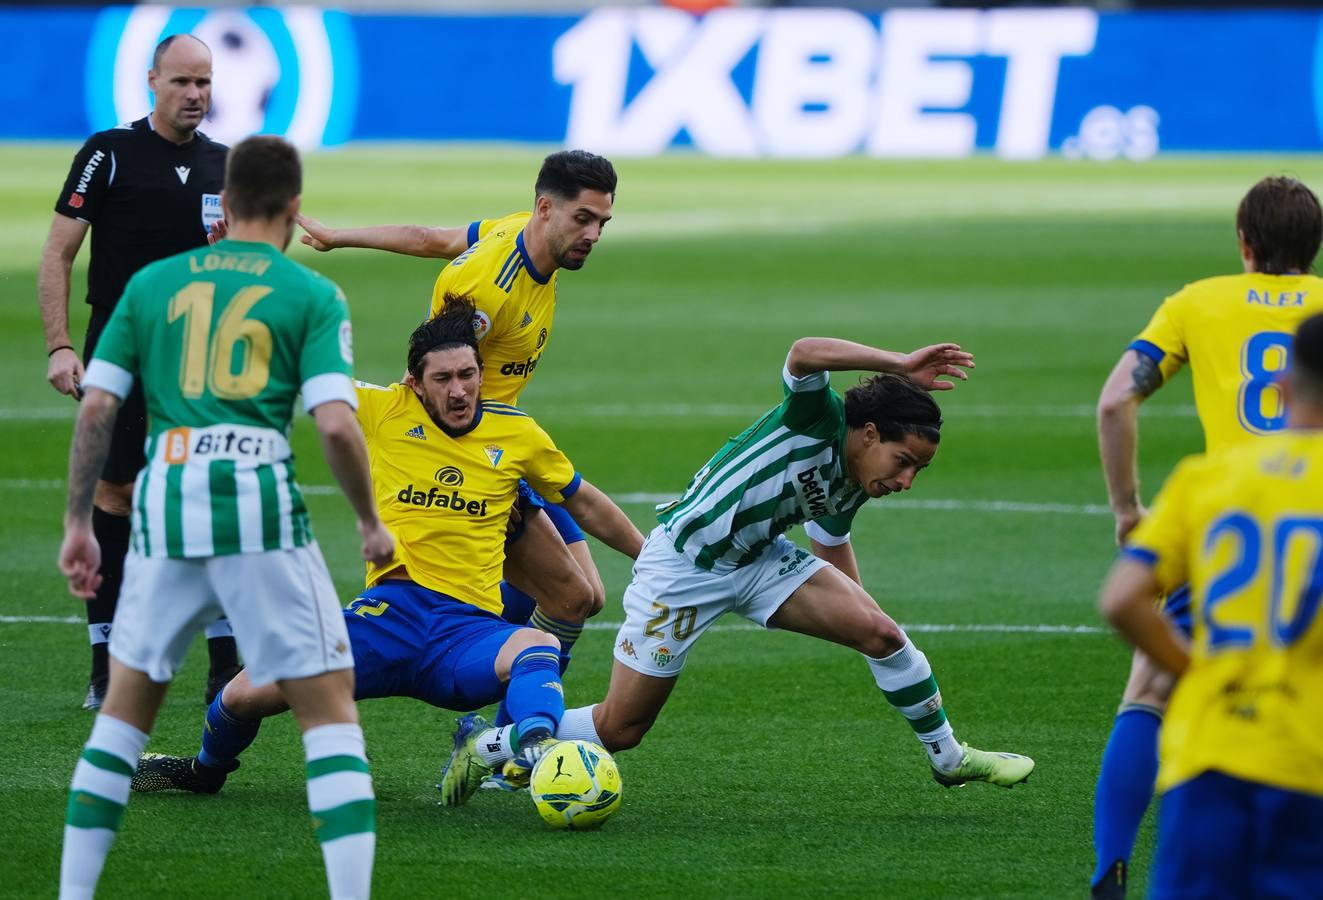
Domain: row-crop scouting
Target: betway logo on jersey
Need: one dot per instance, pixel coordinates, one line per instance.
(523, 369)
(815, 82)
(434, 498)
(812, 494)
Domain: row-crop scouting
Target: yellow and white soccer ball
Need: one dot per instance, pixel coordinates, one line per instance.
(575, 785)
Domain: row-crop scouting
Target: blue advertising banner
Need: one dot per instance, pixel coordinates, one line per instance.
(735, 83)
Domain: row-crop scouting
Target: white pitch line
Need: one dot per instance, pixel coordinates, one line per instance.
(646, 499)
(917, 628)
(704, 410)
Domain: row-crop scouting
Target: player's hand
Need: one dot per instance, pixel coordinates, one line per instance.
(927, 364)
(80, 559)
(65, 372)
(318, 236)
(218, 230)
(516, 519)
(378, 544)
(1126, 522)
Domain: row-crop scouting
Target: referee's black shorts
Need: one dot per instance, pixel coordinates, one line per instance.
(127, 443)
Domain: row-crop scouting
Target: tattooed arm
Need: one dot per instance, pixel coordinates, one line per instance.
(1135, 377)
(80, 556)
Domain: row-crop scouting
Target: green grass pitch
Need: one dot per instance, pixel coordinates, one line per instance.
(777, 770)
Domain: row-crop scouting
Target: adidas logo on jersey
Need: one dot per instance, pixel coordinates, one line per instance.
(528, 320)
(416, 432)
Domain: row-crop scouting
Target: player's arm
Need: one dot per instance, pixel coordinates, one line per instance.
(1134, 378)
(839, 555)
(835, 549)
(597, 514)
(410, 240)
(924, 366)
(80, 555)
(1128, 602)
(346, 454)
(65, 369)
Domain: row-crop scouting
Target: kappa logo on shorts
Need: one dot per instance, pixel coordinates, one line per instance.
(627, 648)
(662, 656)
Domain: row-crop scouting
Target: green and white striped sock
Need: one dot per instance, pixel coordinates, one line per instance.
(907, 681)
(97, 798)
(344, 809)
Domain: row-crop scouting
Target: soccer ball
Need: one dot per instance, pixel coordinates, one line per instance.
(575, 785)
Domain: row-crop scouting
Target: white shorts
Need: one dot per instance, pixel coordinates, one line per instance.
(287, 620)
(671, 601)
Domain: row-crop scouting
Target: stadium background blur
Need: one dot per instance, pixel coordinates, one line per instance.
(1028, 182)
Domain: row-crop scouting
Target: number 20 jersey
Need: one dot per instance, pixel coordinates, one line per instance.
(1235, 331)
(1245, 528)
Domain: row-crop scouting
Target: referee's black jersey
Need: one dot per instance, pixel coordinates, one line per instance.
(145, 197)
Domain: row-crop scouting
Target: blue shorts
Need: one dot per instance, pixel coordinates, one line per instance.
(529, 501)
(1178, 610)
(1220, 836)
(409, 641)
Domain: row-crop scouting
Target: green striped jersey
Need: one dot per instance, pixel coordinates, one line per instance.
(223, 339)
(786, 469)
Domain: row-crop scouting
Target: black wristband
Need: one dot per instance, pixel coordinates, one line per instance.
(58, 349)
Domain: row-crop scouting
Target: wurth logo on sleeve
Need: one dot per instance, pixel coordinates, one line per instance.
(88, 171)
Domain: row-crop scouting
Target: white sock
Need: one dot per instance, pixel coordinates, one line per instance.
(908, 683)
(496, 745)
(97, 797)
(577, 725)
(343, 806)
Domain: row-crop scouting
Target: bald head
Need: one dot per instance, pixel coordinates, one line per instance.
(181, 80)
(187, 46)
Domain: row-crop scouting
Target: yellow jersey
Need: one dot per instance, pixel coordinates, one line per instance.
(447, 498)
(1235, 331)
(1245, 528)
(515, 303)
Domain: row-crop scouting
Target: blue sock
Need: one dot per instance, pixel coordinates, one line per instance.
(534, 698)
(566, 632)
(226, 735)
(1125, 785)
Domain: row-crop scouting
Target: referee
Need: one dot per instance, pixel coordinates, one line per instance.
(148, 189)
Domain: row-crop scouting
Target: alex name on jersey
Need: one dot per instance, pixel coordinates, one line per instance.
(447, 497)
(1238, 330)
(515, 303)
(1245, 528)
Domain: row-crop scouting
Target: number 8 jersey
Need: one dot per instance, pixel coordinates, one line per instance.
(224, 339)
(1235, 331)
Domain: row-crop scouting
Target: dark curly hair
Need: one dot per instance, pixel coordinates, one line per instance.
(896, 406)
(453, 327)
